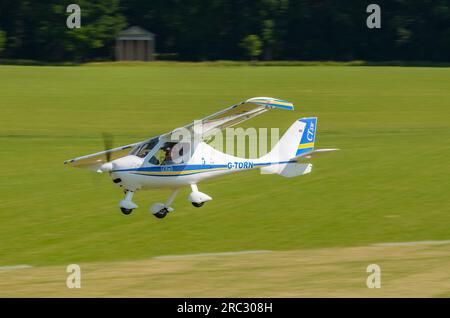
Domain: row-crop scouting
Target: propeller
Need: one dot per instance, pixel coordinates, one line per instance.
(108, 141)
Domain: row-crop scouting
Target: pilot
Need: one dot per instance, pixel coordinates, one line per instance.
(167, 156)
(160, 156)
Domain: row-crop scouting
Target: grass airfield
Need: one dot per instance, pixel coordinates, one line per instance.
(389, 183)
(406, 271)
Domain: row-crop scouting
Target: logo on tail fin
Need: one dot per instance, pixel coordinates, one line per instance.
(309, 133)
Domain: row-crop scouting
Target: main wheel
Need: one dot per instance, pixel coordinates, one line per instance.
(126, 211)
(198, 205)
(161, 213)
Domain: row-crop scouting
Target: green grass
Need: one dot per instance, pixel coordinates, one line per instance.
(327, 272)
(389, 183)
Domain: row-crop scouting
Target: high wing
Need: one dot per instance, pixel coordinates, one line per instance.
(95, 160)
(313, 154)
(238, 113)
(226, 118)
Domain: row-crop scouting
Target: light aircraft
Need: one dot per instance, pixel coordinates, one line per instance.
(165, 162)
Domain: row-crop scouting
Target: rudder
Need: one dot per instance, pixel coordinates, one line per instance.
(308, 136)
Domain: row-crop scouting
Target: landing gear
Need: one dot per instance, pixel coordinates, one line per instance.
(161, 213)
(126, 211)
(198, 198)
(160, 210)
(126, 205)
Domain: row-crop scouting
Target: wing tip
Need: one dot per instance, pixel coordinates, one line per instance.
(271, 102)
(66, 162)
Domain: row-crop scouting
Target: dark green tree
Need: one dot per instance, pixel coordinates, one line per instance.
(2, 41)
(214, 29)
(100, 23)
(268, 39)
(252, 46)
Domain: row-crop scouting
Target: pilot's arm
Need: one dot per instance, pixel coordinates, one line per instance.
(160, 155)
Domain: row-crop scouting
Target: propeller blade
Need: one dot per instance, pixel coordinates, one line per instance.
(108, 141)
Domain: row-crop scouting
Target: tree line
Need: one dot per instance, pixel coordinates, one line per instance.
(230, 29)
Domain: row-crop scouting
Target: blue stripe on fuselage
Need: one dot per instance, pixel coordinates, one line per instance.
(173, 168)
(187, 168)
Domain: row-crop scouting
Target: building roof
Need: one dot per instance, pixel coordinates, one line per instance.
(135, 33)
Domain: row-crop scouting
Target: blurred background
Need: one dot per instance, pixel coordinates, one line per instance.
(137, 69)
(198, 30)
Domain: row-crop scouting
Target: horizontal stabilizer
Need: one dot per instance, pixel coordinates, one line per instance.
(312, 154)
(288, 170)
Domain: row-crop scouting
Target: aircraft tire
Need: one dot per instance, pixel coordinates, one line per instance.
(126, 211)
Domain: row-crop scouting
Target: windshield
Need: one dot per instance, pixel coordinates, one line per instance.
(146, 148)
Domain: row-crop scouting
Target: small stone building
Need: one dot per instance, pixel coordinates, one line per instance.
(135, 44)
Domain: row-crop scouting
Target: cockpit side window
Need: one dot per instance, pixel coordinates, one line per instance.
(164, 155)
(170, 153)
(146, 148)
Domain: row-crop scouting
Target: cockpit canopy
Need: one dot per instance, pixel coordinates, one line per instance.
(167, 153)
(145, 149)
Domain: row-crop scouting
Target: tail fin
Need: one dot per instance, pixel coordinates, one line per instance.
(308, 137)
(296, 145)
(298, 139)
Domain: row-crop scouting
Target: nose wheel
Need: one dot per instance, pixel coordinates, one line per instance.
(126, 211)
(126, 205)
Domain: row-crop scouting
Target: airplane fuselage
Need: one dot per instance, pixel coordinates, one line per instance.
(206, 163)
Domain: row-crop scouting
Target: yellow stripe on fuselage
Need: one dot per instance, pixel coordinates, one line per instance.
(177, 173)
(308, 145)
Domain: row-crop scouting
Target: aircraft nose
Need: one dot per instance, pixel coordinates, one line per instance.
(106, 167)
(127, 162)
(121, 175)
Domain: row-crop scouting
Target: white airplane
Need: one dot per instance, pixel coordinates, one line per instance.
(165, 162)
